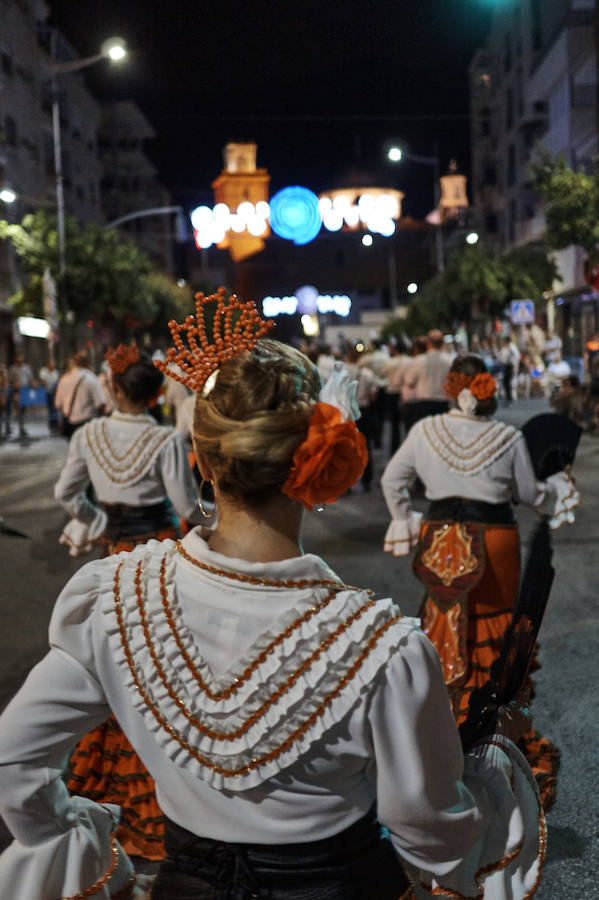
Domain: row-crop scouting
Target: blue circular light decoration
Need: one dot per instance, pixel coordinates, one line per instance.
(294, 214)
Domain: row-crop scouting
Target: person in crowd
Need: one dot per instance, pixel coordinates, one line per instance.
(570, 399)
(325, 362)
(139, 473)
(509, 357)
(4, 402)
(79, 396)
(20, 375)
(48, 376)
(556, 371)
(468, 558)
(377, 359)
(285, 715)
(425, 378)
(175, 395)
(408, 380)
(365, 397)
(398, 359)
(524, 379)
(106, 385)
(553, 348)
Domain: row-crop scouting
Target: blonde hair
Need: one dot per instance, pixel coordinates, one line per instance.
(255, 418)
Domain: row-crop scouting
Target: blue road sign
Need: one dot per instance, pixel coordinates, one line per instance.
(522, 312)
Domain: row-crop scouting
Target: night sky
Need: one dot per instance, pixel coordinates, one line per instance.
(320, 85)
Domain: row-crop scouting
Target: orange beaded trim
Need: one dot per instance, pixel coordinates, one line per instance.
(120, 358)
(123, 475)
(90, 891)
(262, 656)
(287, 743)
(270, 701)
(141, 439)
(267, 582)
(200, 358)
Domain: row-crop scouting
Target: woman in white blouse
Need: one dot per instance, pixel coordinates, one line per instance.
(278, 709)
(141, 478)
(473, 468)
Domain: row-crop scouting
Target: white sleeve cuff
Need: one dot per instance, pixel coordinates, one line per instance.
(85, 856)
(80, 537)
(403, 534)
(561, 500)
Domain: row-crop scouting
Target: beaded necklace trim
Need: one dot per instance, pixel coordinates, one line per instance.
(249, 758)
(267, 582)
(262, 656)
(129, 467)
(470, 458)
(276, 695)
(95, 887)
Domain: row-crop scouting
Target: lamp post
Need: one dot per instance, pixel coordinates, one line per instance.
(114, 49)
(396, 154)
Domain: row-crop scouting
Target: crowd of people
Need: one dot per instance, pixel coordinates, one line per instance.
(222, 703)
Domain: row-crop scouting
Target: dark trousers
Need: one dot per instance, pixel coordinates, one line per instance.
(508, 374)
(357, 864)
(394, 413)
(367, 425)
(415, 410)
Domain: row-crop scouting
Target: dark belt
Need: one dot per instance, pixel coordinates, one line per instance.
(459, 509)
(131, 521)
(360, 856)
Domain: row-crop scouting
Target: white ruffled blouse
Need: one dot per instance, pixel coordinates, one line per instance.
(129, 459)
(272, 704)
(457, 455)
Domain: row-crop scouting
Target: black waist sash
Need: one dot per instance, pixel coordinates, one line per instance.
(459, 509)
(132, 521)
(359, 863)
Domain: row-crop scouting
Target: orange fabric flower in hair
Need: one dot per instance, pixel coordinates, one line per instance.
(483, 386)
(456, 382)
(330, 460)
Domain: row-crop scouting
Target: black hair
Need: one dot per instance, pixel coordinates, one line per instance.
(140, 382)
(471, 364)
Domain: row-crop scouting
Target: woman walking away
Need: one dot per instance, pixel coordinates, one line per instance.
(139, 472)
(286, 716)
(473, 468)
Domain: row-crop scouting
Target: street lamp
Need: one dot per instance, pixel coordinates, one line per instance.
(472, 238)
(412, 287)
(114, 49)
(7, 195)
(396, 153)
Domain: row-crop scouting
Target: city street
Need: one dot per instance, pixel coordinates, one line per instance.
(349, 535)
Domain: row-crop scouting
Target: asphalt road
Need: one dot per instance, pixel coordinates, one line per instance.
(349, 535)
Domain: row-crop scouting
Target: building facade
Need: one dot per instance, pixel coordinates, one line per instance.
(533, 85)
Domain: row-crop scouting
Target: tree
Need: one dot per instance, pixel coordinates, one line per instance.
(108, 279)
(572, 204)
(477, 285)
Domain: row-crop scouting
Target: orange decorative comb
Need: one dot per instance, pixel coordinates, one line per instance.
(201, 357)
(121, 357)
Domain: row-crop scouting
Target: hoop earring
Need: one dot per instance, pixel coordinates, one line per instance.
(200, 502)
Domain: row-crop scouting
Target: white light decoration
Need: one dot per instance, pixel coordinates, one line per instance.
(367, 240)
(288, 305)
(310, 325)
(333, 220)
(245, 210)
(395, 154)
(256, 226)
(386, 227)
(237, 224)
(386, 206)
(341, 204)
(262, 209)
(32, 327)
(7, 195)
(325, 205)
(221, 213)
(412, 287)
(366, 205)
(352, 217)
(201, 217)
(472, 238)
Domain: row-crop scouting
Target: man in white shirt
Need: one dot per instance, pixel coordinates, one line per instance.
(509, 357)
(48, 375)
(19, 376)
(79, 395)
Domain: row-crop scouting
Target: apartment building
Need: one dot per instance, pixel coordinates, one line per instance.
(101, 147)
(533, 84)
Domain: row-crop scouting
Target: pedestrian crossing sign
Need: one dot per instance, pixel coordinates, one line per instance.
(522, 312)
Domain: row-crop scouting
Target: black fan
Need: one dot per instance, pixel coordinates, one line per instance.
(552, 440)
